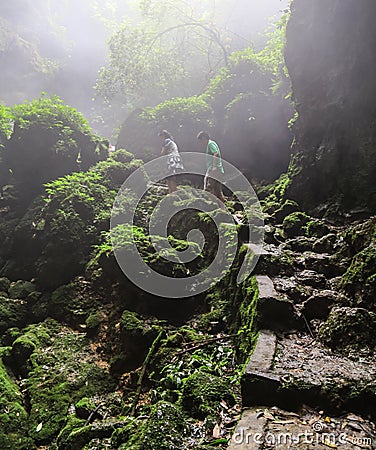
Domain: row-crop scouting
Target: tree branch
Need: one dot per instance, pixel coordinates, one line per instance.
(212, 32)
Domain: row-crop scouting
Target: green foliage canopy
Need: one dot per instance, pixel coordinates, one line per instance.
(173, 49)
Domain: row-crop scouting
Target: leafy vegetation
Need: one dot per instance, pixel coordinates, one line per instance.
(74, 211)
(50, 112)
(6, 122)
(163, 54)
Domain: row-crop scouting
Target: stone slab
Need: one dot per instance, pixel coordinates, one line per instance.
(249, 432)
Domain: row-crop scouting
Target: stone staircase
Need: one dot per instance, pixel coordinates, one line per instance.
(296, 393)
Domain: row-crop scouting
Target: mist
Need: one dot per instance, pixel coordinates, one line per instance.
(59, 48)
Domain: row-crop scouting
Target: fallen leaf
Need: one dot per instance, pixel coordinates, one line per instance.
(39, 427)
(217, 432)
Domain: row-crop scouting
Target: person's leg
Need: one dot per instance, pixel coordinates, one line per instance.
(217, 191)
(206, 181)
(171, 182)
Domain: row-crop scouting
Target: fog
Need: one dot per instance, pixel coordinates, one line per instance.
(59, 47)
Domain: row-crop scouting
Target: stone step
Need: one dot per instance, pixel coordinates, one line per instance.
(274, 312)
(261, 428)
(294, 370)
(247, 432)
(259, 385)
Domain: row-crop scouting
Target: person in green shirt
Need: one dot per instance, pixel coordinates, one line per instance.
(213, 166)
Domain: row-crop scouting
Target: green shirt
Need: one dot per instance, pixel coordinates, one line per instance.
(211, 149)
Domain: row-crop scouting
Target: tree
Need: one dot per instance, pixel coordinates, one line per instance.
(173, 49)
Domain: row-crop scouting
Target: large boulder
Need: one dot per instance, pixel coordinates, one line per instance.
(351, 330)
(71, 215)
(49, 140)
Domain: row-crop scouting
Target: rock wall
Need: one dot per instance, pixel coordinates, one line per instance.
(331, 59)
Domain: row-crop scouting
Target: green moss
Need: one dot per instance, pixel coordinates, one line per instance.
(287, 208)
(359, 280)
(140, 332)
(134, 336)
(93, 321)
(316, 228)
(281, 185)
(203, 392)
(72, 303)
(294, 224)
(61, 369)
(349, 330)
(128, 435)
(131, 324)
(32, 338)
(122, 239)
(84, 407)
(21, 289)
(245, 321)
(73, 424)
(13, 416)
(13, 313)
(164, 430)
(361, 268)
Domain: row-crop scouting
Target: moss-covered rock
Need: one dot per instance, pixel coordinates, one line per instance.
(244, 320)
(13, 415)
(13, 313)
(317, 228)
(203, 392)
(287, 208)
(84, 408)
(350, 330)
(60, 369)
(72, 303)
(32, 338)
(164, 430)
(49, 140)
(21, 289)
(93, 322)
(4, 284)
(359, 281)
(71, 215)
(294, 224)
(135, 336)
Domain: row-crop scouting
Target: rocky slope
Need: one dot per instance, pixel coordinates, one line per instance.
(88, 361)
